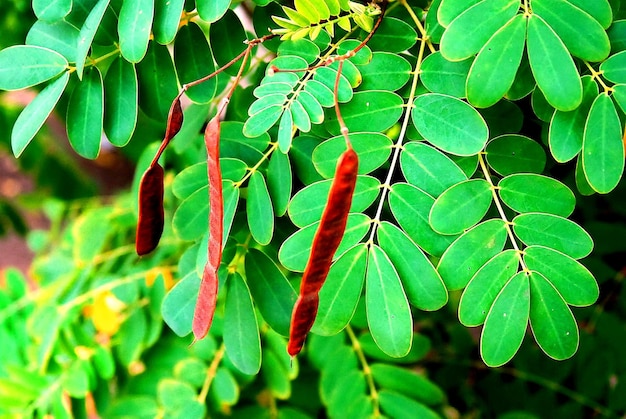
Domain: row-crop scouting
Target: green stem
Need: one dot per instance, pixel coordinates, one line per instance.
(367, 371)
(211, 372)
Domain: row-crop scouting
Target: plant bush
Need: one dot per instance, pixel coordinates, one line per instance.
(485, 131)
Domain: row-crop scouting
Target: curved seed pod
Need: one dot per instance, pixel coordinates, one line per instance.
(325, 243)
(150, 224)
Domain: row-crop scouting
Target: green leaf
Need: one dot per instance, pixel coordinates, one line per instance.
(567, 128)
(572, 280)
(552, 66)
(461, 206)
(234, 144)
(373, 149)
(434, 30)
(385, 71)
(174, 395)
(552, 231)
(241, 331)
(429, 169)
(540, 105)
(603, 148)
(279, 182)
(51, 9)
(121, 93)
(273, 294)
(372, 110)
(179, 304)
(300, 117)
(229, 34)
(190, 220)
(616, 35)
(451, 9)
(327, 76)
(166, 20)
(134, 27)
(450, 124)
(551, 320)
(401, 407)
(158, 85)
(212, 10)
(59, 36)
(512, 153)
(193, 59)
(194, 177)
(320, 92)
(23, 66)
(524, 82)
(581, 180)
(341, 292)
(388, 312)
(302, 48)
(484, 287)
(263, 120)
(506, 322)
(407, 382)
(493, 71)
(393, 35)
(312, 107)
(423, 285)
(85, 115)
(411, 206)
(535, 193)
(295, 251)
(87, 33)
(75, 380)
(267, 101)
(568, 21)
(259, 209)
(471, 30)
(600, 10)
(90, 231)
(32, 118)
(308, 204)
(285, 132)
(442, 76)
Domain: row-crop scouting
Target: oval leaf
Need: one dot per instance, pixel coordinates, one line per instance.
(23, 66)
(121, 93)
(135, 22)
(535, 193)
(259, 209)
(85, 115)
(461, 206)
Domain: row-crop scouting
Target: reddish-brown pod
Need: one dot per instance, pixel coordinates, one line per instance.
(150, 224)
(207, 297)
(325, 243)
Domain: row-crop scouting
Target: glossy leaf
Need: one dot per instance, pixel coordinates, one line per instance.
(442, 76)
(536, 193)
(134, 27)
(121, 93)
(23, 66)
(212, 10)
(312, 107)
(551, 320)
(180, 303)
(506, 322)
(512, 153)
(600, 10)
(461, 206)
(259, 209)
(451, 9)
(273, 294)
(158, 85)
(262, 121)
(52, 9)
(388, 312)
(393, 35)
(450, 124)
(193, 59)
(327, 76)
(194, 177)
(385, 71)
(33, 116)
(59, 36)
(368, 111)
(228, 33)
(614, 69)
(279, 182)
(603, 148)
(572, 280)
(401, 407)
(300, 117)
(302, 48)
(190, 220)
(410, 383)
(421, 281)
(552, 231)
(552, 66)
(166, 20)
(484, 287)
(85, 115)
(87, 34)
(470, 252)
(285, 132)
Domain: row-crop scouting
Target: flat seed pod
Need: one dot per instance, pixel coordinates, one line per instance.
(461, 206)
(467, 254)
(603, 148)
(388, 312)
(552, 231)
(572, 280)
(484, 287)
(464, 38)
(450, 124)
(552, 66)
(493, 71)
(551, 320)
(536, 193)
(506, 322)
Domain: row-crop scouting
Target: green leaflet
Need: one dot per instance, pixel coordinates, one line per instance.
(512, 153)
(259, 210)
(393, 35)
(234, 144)
(285, 132)
(442, 76)
(158, 85)
(327, 76)
(228, 33)
(194, 177)
(262, 121)
(87, 34)
(373, 110)
(552, 231)
(51, 10)
(450, 124)
(300, 117)
(429, 169)
(388, 312)
(600, 10)
(524, 82)
(484, 287)
(467, 254)
(614, 68)
(451, 9)
(407, 382)
(551, 320)
(341, 291)
(312, 107)
(535, 193)
(193, 59)
(166, 20)
(385, 71)
(212, 10)
(603, 148)
(59, 36)
(399, 406)
(495, 66)
(302, 48)
(552, 66)
(134, 27)
(273, 294)
(464, 37)
(461, 206)
(279, 182)
(241, 330)
(121, 93)
(506, 322)
(23, 66)
(33, 116)
(85, 115)
(180, 303)
(421, 281)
